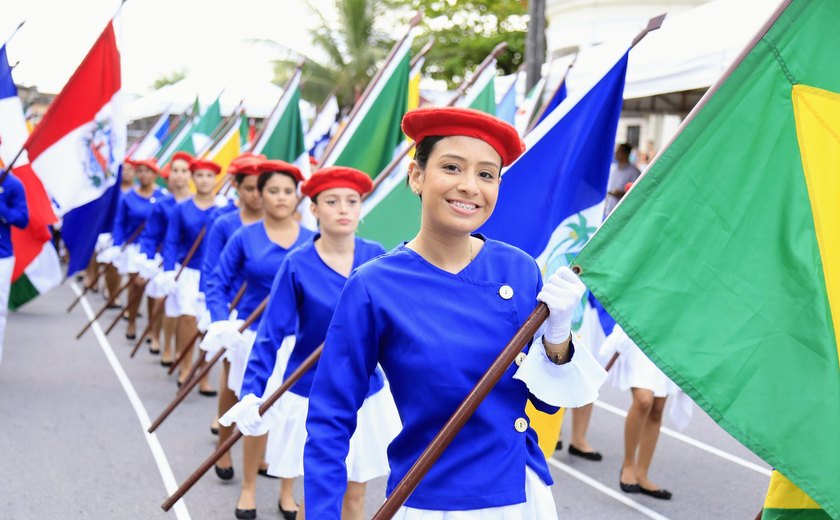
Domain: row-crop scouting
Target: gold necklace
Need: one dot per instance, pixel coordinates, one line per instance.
(471, 250)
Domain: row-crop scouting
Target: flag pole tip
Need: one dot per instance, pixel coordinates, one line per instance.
(499, 49)
(656, 22)
(416, 19)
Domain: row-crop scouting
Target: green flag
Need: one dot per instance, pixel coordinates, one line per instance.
(482, 95)
(195, 137)
(282, 134)
(370, 138)
(244, 130)
(723, 262)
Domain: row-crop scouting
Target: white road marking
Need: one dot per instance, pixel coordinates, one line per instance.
(650, 513)
(693, 442)
(165, 470)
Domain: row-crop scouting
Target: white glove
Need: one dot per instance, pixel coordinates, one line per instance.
(204, 321)
(148, 268)
(220, 201)
(109, 255)
(562, 292)
(222, 334)
(246, 415)
(617, 342)
(103, 242)
(166, 282)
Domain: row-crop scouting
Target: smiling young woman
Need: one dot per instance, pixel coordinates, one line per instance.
(435, 312)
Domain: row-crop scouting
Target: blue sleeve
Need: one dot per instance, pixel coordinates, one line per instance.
(214, 243)
(15, 211)
(171, 242)
(118, 233)
(220, 279)
(278, 321)
(150, 236)
(341, 383)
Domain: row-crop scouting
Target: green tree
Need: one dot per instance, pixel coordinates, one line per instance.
(354, 49)
(465, 32)
(169, 79)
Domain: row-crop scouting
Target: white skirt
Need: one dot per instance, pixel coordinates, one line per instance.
(187, 300)
(538, 505)
(128, 262)
(377, 425)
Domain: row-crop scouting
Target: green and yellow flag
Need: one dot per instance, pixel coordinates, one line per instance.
(785, 501)
(723, 262)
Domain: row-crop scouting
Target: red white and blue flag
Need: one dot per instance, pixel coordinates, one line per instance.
(37, 268)
(78, 148)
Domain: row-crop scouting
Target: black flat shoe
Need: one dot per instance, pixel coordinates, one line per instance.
(114, 306)
(588, 455)
(166, 363)
(154, 352)
(662, 494)
(264, 472)
(208, 393)
(559, 446)
(180, 384)
(628, 488)
(214, 431)
(148, 340)
(224, 473)
(245, 514)
(287, 515)
(130, 336)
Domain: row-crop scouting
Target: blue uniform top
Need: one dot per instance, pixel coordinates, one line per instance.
(303, 298)
(225, 225)
(13, 212)
(153, 235)
(434, 333)
(184, 226)
(132, 211)
(252, 257)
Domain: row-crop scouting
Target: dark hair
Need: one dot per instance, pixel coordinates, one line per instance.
(626, 148)
(424, 149)
(239, 178)
(264, 176)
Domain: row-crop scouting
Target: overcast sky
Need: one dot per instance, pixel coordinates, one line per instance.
(157, 37)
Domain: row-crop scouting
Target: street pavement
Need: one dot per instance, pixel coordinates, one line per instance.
(73, 441)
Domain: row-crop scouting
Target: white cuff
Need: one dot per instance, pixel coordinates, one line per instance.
(570, 385)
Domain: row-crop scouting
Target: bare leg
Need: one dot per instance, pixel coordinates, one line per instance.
(226, 400)
(184, 332)
(169, 325)
(287, 497)
(353, 507)
(90, 273)
(156, 326)
(135, 290)
(112, 280)
(252, 454)
(647, 444)
(580, 425)
(636, 417)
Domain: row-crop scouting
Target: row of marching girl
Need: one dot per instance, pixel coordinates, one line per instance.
(253, 256)
(133, 211)
(434, 313)
(184, 299)
(303, 297)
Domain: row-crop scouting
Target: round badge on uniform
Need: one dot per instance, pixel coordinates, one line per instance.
(506, 292)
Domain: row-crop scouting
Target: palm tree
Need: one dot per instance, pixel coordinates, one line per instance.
(353, 49)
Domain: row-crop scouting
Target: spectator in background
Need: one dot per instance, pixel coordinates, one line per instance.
(621, 173)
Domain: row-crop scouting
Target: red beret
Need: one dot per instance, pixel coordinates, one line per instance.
(148, 163)
(129, 162)
(447, 121)
(280, 166)
(204, 164)
(337, 177)
(164, 172)
(245, 164)
(184, 156)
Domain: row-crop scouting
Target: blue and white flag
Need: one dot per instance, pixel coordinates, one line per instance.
(319, 134)
(552, 198)
(506, 108)
(153, 140)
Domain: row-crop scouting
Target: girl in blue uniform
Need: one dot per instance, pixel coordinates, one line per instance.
(253, 255)
(302, 301)
(133, 211)
(177, 177)
(435, 312)
(188, 219)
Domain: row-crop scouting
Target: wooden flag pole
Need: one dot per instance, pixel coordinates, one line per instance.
(462, 89)
(205, 368)
(200, 335)
(295, 376)
(414, 22)
(159, 307)
(112, 297)
(544, 106)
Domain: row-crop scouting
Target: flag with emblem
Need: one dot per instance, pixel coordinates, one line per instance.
(723, 261)
(78, 148)
(37, 269)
